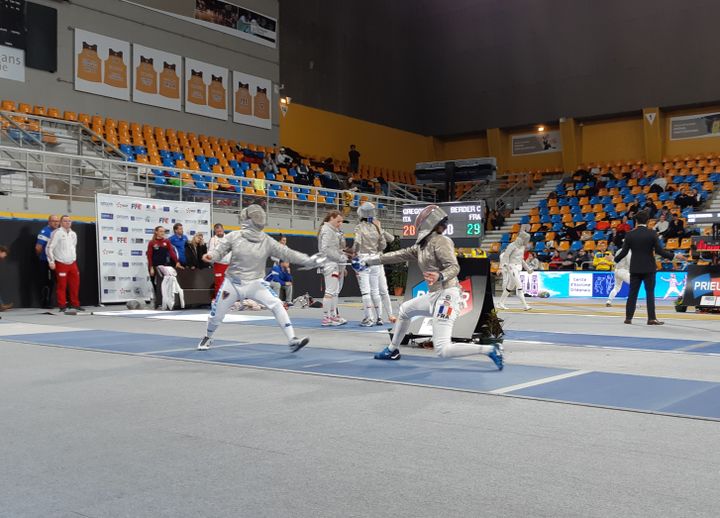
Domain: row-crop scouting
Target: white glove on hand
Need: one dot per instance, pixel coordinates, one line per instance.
(315, 261)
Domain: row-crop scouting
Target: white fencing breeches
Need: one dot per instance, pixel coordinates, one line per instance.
(511, 280)
(444, 308)
(334, 279)
(382, 302)
(259, 291)
(620, 277)
(368, 303)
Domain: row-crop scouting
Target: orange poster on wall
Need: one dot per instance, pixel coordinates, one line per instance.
(88, 64)
(217, 93)
(115, 70)
(243, 99)
(262, 104)
(197, 91)
(145, 76)
(169, 82)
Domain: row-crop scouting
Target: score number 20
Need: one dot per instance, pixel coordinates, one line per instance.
(410, 230)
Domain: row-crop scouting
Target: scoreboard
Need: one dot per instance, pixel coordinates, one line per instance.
(466, 222)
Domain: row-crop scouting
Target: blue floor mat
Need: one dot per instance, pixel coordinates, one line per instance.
(630, 342)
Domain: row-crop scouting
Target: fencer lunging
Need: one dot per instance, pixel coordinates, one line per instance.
(371, 239)
(331, 244)
(250, 248)
(511, 264)
(435, 255)
(622, 275)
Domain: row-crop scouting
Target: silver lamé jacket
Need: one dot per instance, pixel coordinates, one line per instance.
(369, 239)
(435, 254)
(250, 249)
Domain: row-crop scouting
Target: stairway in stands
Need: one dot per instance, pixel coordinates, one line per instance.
(494, 236)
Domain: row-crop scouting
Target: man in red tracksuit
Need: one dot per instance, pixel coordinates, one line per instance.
(61, 252)
(221, 265)
(160, 252)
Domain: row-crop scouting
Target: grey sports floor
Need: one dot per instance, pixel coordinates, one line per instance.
(95, 425)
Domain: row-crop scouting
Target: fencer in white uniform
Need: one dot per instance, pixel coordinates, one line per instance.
(331, 245)
(250, 248)
(435, 255)
(371, 239)
(621, 274)
(512, 261)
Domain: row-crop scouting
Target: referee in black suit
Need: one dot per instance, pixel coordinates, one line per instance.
(644, 244)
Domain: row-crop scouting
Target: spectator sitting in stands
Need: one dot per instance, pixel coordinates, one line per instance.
(603, 261)
(533, 262)
(583, 260)
(194, 250)
(282, 159)
(659, 184)
(650, 207)
(583, 176)
(676, 229)
(328, 165)
(555, 261)
(351, 184)
(632, 210)
(568, 263)
(269, 165)
(664, 211)
(662, 225)
(624, 226)
(303, 176)
(637, 173)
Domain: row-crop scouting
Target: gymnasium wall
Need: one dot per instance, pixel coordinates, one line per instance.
(319, 132)
(690, 146)
(118, 19)
(449, 68)
(611, 140)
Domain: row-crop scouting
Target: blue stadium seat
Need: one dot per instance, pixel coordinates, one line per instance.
(525, 220)
(540, 246)
(576, 246)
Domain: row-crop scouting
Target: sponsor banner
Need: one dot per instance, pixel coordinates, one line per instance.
(125, 226)
(158, 78)
(12, 63)
(534, 143)
(223, 16)
(668, 285)
(252, 100)
(206, 89)
(102, 65)
(695, 126)
(703, 283)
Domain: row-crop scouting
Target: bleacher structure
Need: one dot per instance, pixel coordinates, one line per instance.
(44, 152)
(579, 201)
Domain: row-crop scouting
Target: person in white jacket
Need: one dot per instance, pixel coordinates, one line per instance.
(249, 249)
(62, 259)
(622, 275)
(371, 239)
(511, 264)
(331, 244)
(221, 264)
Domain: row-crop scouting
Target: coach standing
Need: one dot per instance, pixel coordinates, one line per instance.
(62, 258)
(644, 244)
(45, 275)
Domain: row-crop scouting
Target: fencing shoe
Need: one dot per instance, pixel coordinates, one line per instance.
(366, 322)
(204, 344)
(496, 355)
(379, 322)
(387, 354)
(298, 343)
(502, 306)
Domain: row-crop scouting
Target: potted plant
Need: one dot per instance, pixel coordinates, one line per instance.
(679, 307)
(397, 273)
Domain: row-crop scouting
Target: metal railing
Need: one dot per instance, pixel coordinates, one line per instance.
(69, 177)
(412, 192)
(43, 133)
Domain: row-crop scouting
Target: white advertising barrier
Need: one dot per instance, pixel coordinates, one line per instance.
(125, 225)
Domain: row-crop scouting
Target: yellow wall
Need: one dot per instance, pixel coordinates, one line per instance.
(317, 132)
(689, 146)
(463, 147)
(508, 162)
(612, 140)
(321, 133)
